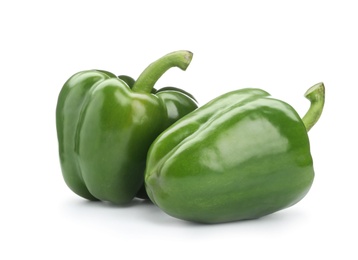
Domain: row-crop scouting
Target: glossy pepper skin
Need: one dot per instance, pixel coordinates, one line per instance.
(105, 125)
(241, 156)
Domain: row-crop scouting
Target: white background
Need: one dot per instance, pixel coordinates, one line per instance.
(283, 47)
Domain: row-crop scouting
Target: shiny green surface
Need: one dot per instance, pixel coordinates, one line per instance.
(105, 128)
(241, 156)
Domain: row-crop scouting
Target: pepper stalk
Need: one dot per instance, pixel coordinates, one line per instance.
(316, 95)
(155, 70)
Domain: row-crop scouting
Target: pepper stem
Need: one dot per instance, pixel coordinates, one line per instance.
(155, 70)
(316, 95)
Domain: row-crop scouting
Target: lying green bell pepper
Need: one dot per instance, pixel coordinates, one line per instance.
(241, 156)
(105, 125)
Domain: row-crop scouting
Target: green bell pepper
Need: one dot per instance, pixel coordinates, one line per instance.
(105, 125)
(241, 156)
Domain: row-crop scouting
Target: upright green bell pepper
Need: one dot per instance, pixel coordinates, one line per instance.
(241, 156)
(105, 125)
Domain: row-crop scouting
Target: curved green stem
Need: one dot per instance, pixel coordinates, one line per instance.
(316, 95)
(155, 70)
